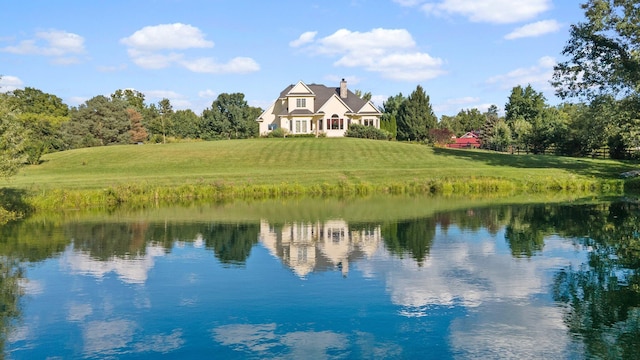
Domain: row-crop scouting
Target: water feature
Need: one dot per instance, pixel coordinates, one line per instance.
(371, 278)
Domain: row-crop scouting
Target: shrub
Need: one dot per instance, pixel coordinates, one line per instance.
(277, 133)
(367, 132)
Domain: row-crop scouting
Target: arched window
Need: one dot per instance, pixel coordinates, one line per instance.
(335, 123)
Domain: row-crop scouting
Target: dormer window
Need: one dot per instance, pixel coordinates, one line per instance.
(301, 103)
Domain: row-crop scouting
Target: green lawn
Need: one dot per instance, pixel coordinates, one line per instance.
(305, 161)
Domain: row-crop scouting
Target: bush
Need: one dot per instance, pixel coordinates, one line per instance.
(277, 133)
(367, 132)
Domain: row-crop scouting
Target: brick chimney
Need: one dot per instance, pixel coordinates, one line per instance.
(343, 89)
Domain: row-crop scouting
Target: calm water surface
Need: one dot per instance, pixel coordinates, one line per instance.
(510, 281)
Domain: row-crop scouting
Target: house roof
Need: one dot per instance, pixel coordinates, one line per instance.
(324, 93)
(469, 140)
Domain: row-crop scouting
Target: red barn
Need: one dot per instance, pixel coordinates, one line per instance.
(468, 140)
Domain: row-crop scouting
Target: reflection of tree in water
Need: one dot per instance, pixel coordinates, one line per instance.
(10, 292)
(104, 241)
(604, 295)
(231, 243)
(32, 241)
(413, 237)
(526, 230)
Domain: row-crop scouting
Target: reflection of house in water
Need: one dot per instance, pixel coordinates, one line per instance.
(307, 247)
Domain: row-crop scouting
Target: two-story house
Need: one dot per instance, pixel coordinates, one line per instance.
(317, 109)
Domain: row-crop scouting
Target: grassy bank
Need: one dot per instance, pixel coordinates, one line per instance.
(274, 168)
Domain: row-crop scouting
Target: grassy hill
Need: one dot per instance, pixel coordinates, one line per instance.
(305, 161)
(273, 167)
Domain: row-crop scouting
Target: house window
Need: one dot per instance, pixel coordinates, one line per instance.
(300, 103)
(369, 122)
(335, 123)
(320, 124)
(301, 126)
(273, 126)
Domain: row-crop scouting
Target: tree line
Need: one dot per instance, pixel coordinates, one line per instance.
(599, 82)
(33, 123)
(600, 76)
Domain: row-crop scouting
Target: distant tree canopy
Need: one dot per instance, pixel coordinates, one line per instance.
(463, 122)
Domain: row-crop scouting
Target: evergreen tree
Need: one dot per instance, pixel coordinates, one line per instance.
(491, 120)
(389, 110)
(99, 121)
(137, 131)
(416, 117)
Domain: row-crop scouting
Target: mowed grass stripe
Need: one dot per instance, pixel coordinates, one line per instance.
(306, 161)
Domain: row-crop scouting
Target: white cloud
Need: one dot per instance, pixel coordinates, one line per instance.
(534, 29)
(238, 65)
(480, 281)
(305, 38)
(378, 100)
(352, 80)
(389, 52)
(113, 68)
(491, 11)
(259, 339)
(58, 44)
(538, 75)
(132, 270)
(79, 312)
(209, 94)
(167, 36)
(408, 3)
(9, 83)
(161, 343)
(32, 287)
(76, 100)
(177, 100)
(513, 330)
(154, 47)
(149, 60)
(455, 104)
(107, 337)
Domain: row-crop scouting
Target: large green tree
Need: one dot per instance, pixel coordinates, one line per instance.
(12, 139)
(416, 117)
(229, 117)
(99, 121)
(42, 115)
(525, 103)
(603, 51)
(186, 124)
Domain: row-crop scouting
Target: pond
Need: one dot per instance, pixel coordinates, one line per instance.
(327, 279)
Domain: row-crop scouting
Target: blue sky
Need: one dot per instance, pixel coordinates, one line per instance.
(464, 53)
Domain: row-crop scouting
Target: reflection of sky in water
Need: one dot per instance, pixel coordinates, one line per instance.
(469, 299)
